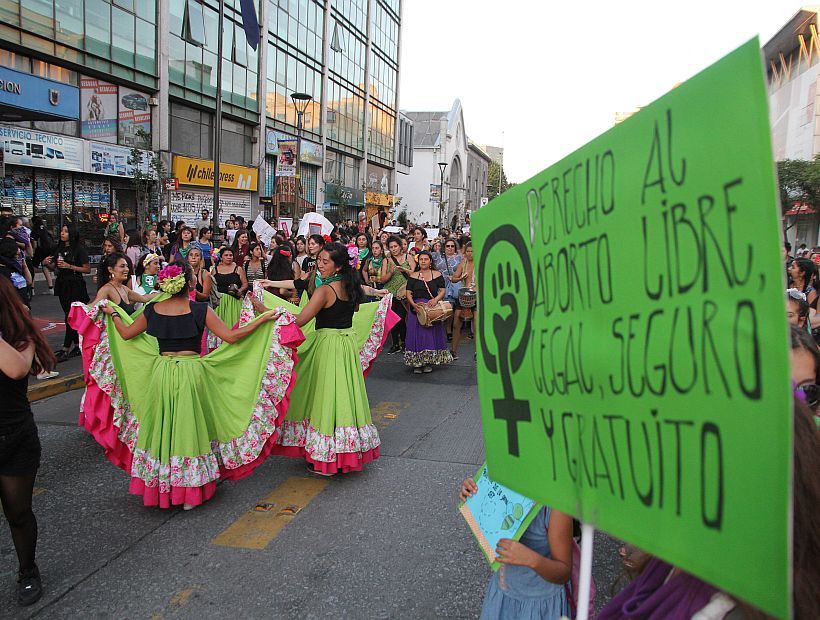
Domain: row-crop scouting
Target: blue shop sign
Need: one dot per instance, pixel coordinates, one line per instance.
(27, 97)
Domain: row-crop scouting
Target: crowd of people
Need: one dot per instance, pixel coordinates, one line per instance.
(252, 350)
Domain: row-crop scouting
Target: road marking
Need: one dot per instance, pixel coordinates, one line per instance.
(38, 490)
(51, 387)
(257, 528)
(181, 598)
(384, 412)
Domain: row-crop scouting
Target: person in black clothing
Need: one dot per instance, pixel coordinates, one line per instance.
(44, 246)
(23, 351)
(70, 261)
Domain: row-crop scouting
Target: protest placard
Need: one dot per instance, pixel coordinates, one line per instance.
(633, 355)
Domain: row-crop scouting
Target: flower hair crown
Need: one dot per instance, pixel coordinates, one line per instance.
(171, 279)
(150, 258)
(353, 256)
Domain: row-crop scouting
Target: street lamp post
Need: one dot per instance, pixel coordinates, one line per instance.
(300, 102)
(442, 165)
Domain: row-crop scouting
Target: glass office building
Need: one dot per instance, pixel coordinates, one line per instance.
(143, 74)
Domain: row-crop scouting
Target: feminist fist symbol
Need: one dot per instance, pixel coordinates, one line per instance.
(507, 288)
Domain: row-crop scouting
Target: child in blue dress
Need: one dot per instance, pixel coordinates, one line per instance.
(530, 583)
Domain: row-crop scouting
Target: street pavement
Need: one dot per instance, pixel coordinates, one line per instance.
(384, 543)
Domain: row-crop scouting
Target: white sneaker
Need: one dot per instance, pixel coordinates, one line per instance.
(46, 374)
(188, 506)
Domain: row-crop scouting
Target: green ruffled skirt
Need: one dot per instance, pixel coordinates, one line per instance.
(228, 310)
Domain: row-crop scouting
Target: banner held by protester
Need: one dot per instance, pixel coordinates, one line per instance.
(633, 357)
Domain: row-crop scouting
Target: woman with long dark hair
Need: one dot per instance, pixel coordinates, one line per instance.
(426, 345)
(395, 272)
(112, 278)
(241, 246)
(69, 261)
(803, 273)
(315, 243)
(144, 280)
(280, 267)
(184, 242)
(256, 266)
(300, 246)
(23, 351)
(328, 422)
(231, 283)
(179, 422)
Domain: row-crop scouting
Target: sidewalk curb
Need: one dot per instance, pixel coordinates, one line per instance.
(52, 387)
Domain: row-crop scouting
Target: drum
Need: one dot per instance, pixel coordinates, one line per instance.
(442, 311)
(466, 298)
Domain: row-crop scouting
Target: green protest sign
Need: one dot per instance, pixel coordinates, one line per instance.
(633, 356)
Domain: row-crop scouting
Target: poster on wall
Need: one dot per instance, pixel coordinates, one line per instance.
(28, 147)
(286, 161)
(187, 204)
(435, 194)
(114, 160)
(378, 179)
(98, 110)
(134, 115)
(309, 152)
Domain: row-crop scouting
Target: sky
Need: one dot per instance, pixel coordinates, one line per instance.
(543, 77)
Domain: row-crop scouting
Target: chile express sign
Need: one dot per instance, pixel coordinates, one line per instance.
(633, 356)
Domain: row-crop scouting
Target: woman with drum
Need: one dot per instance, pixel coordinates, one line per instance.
(426, 343)
(465, 274)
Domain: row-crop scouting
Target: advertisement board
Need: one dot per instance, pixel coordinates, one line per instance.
(286, 160)
(98, 110)
(309, 152)
(113, 160)
(191, 171)
(27, 147)
(134, 115)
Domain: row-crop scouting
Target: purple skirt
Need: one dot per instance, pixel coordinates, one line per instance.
(425, 346)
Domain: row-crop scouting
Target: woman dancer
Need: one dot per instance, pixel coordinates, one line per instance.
(111, 278)
(70, 262)
(231, 283)
(426, 346)
(177, 421)
(23, 351)
(328, 422)
(395, 272)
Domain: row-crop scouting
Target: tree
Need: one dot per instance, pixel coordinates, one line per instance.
(493, 173)
(798, 181)
(149, 173)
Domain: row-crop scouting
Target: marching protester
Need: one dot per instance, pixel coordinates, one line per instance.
(69, 262)
(372, 268)
(362, 243)
(183, 244)
(315, 243)
(301, 251)
(281, 267)
(202, 277)
(530, 582)
(190, 422)
(231, 283)
(255, 265)
(114, 227)
(797, 308)
(111, 284)
(420, 242)
(44, 245)
(463, 304)
(803, 273)
(241, 246)
(395, 273)
(206, 245)
(150, 242)
(23, 351)
(144, 280)
(426, 343)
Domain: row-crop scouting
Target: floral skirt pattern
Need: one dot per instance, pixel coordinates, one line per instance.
(177, 424)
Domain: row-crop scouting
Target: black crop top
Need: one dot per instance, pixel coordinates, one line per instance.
(337, 316)
(14, 406)
(177, 333)
(417, 287)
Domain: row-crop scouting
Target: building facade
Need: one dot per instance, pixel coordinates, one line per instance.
(440, 137)
(792, 59)
(478, 167)
(142, 74)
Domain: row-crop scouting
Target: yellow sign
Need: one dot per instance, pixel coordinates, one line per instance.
(201, 172)
(377, 198)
